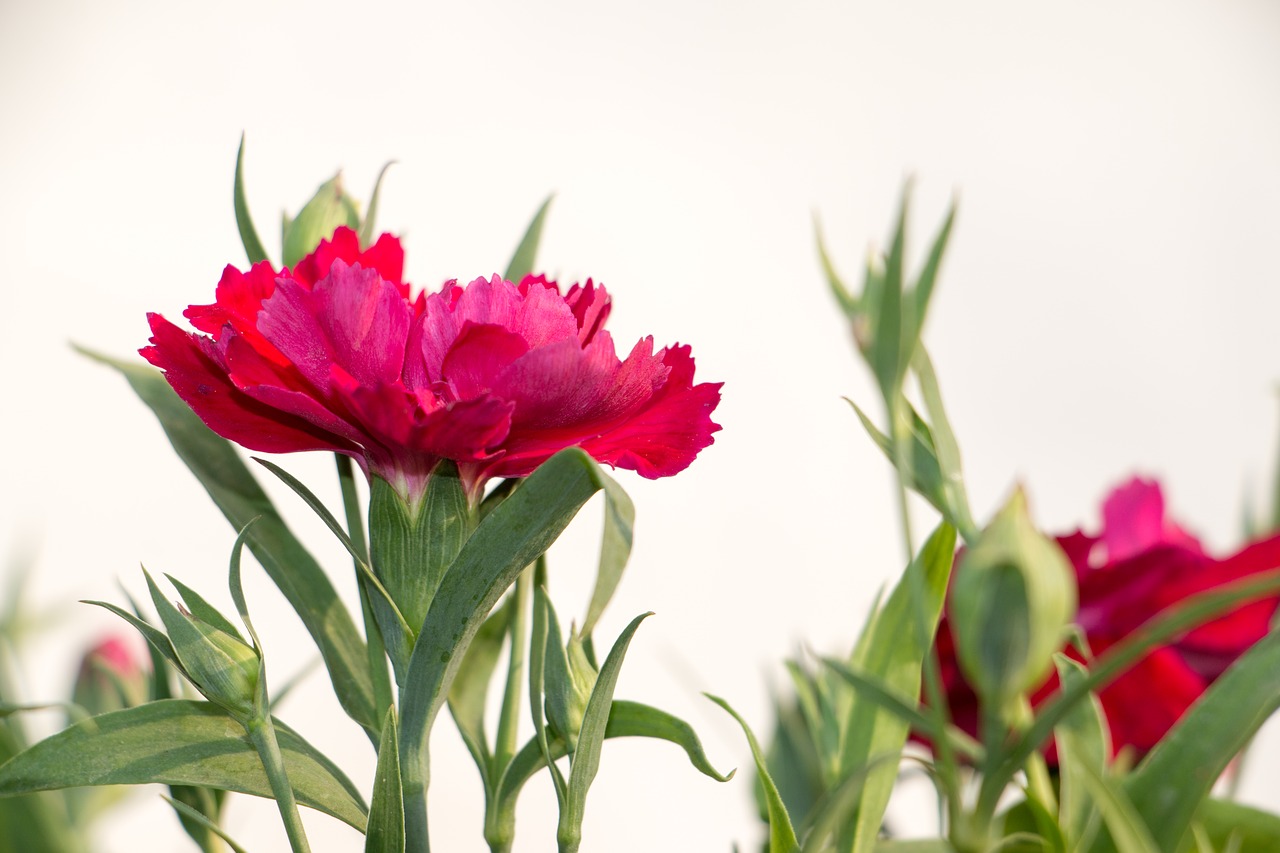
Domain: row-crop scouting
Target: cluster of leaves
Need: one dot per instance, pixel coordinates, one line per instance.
(826, 779)
(453, 589)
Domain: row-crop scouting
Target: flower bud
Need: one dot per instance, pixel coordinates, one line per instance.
(567, 707)
(328, 209)
(1011, 599)
(109, 679)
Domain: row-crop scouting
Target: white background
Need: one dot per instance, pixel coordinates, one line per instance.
(1109, 305)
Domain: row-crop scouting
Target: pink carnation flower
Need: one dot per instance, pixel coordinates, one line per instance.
(337, 355)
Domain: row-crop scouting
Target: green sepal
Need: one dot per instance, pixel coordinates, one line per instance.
(178, 742)
(412, 546)
(328, 209)
(385, 831)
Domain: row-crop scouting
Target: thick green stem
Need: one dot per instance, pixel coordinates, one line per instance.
(262, 735)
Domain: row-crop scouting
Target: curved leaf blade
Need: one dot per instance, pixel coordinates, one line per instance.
(782, 836)
(526, 253)
(385, 832)
(178, 742)
(244, 224)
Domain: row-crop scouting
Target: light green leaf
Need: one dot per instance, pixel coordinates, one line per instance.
(248, 235)
(892, 652)
(291, 567)
(955, 500)
(510, 537)
(202, 609)
(586, 755)
(925, 476)
(782, 836)
(891, 337)
(540, 641)
(923, 291)
(526, 255)
(1177, 776)
(1253, 830)
(615, 550)
(914, 845)
(844, 298)
(557, 685)
(385, 833)
(1123, 822)
(178, 742)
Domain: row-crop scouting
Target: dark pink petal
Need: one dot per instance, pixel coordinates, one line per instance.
(590, 304)
(238, 298)
(191, 364)
(561, 386)
(664, 437)
(1133, 520)
(386, 256)
(478, 356)
(366, 322)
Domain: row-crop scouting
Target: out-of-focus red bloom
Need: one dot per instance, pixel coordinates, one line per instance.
(1140, 563)
(338, 355)
(110, 678)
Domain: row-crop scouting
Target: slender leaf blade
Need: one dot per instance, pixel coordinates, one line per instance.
(782, 835)
(385, 833)
(615, 550)
(526, 254)
(178, 742)
(244, 223)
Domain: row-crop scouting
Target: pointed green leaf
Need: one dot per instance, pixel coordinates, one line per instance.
(511, 537)
(368, 226)
(586, 755)
(300, 578)
(1177, 776)
(925, 476)
(847, 301)
(203, 610)
(540, 639)
(526, 255)
(942, 439)
(893, 653)
(178, 742)
(248, 235)
(385, 833)
(615, 550)
(328, 209)
(923, 291)
(782, 836)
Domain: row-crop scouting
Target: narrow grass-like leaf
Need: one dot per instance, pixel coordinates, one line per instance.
(557, 682)
(540, 640)
(178, 742)
(875, 691)
(925, 476)
(1125, 826)
(782, 835)
(526, 254)
(203, 820)
(511, 537)
(914, 845)
(615, 550)
(202, 609)
(304, 584)
(586, 755)
(844, 298)
(923, 290)
(1177, 776)
(385, 832)
(942, 439)
(368, 226)
(893, 652)
(1082, 738)
(892, 337)
(248, 235)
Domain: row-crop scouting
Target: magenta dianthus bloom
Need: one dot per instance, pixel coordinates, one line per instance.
(495, 376)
